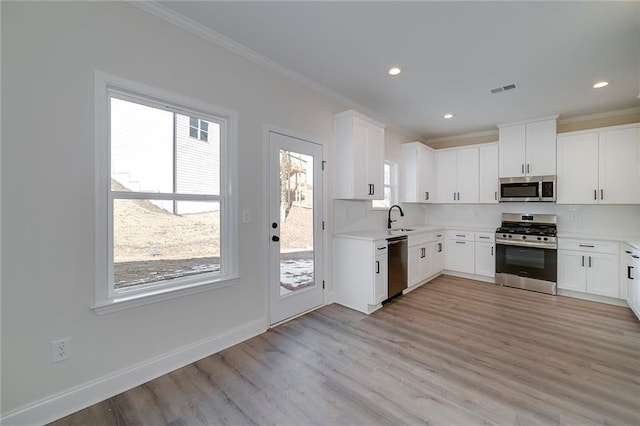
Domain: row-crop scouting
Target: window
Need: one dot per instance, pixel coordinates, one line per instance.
(199, 129)
(390, 186)
(164, 211)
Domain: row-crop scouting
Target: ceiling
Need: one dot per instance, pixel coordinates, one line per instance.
(451, 55)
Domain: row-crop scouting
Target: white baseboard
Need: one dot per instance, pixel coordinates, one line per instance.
(592, 297)
(64, 403)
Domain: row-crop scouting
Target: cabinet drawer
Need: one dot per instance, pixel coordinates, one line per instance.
(590, 246)
(485, 237)
(380, 247)
(461, 235)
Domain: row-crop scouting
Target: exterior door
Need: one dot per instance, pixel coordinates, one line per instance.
(295, 226)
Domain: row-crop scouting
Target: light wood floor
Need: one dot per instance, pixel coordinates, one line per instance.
(453, 352)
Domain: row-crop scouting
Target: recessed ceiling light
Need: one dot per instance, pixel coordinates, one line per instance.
(600, 84)
(395, 71)
(448, 116)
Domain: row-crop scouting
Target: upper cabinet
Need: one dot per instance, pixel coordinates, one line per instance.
(488, 182)
(358, 157)
(457, 175)
(528, 148)
(418, 173)
(599, 166)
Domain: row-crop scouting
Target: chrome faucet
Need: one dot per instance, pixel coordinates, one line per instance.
(389, 218)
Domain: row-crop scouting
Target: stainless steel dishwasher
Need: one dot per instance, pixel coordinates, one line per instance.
(397, 265)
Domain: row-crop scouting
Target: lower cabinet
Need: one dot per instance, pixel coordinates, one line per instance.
(360, 268)
(460, 251)
(589, 267)
(632, 278)
(485, 254)
(426, 257)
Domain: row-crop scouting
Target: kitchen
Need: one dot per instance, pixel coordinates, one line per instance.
(428, 356)
(530, 208)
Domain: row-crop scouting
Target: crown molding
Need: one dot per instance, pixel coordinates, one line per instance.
(599, 115)
(464, 136)
(169, 15)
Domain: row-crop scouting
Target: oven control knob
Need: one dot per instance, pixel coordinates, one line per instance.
(546, 239)
(524, 237)
(510, 236)
(539, 238)
(504, 235)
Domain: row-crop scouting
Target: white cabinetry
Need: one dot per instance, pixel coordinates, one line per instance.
(358, 157)
(589, 267)
(485, 254)
(488, 181)
(360, 273)
(460, 252)
(426, 257)
(457, 175)
(418, 173)
(528, 148)
(632, 277)
(600, 166)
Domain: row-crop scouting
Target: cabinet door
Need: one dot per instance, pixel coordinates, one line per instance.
(572, 273)
(540, 148)
(446, 176)
(437, 257)
(375, 161)
(425, 262)
(512, 150)
(413, 267)
(488, 174)
(485, 259)
(619, 170)
(426, 187)
(360, 178)
(602, 274)
(380, 285)
(461, 256)
(577, 181)
(467, 175)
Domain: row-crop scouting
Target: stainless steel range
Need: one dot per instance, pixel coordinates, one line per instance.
(527, 252)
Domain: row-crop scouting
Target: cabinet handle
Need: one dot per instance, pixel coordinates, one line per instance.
(439, 247)
(602, 194)
(587, 245)
(461, 242)
(582, 260)
(595, 194)
(495, 195)
(458, 196)
(627, 251)
(527, 169)
(377, 266)
(461, 235)
(629, 268)
(454, 196)
(522, 168)
(382, 248)
(483, 237)
(440, 235)
(426, 195)
(635, 257)
(491, 250)
(589, 261)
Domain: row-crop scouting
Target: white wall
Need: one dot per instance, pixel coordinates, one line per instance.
(49, 54)
(606, 220)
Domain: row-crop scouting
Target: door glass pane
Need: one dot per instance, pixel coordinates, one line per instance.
(296, 222)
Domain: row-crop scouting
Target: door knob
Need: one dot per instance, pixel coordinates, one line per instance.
(275, 238)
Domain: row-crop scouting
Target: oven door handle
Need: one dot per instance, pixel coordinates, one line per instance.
(543, 245)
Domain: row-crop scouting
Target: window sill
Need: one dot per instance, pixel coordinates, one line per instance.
(123, 302)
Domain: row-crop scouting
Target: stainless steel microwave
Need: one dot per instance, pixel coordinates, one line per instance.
(528, 189)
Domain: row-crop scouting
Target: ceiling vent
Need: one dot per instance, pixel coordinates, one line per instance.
(503, 88)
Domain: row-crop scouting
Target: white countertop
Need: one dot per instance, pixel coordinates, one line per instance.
(383, 234)
(632, 241)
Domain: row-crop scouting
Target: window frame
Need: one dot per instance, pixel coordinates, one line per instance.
(393, 185)
(106, 298)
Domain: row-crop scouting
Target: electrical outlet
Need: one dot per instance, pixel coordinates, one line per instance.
(60, 350)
